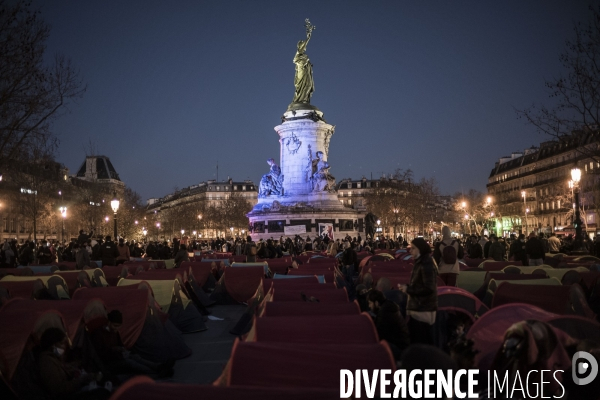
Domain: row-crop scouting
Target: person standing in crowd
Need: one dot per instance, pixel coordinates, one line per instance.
(124, 253)
(108, 252)
(44, 255)
(535, 250)
(250, 250)
(181, 256)
(475, 249)
(517, 250)
(446, 254)
(82, 257)
(422, 293)
(554, 244)
(496, 250)
(84, 237)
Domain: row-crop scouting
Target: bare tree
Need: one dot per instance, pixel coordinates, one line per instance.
(575, 95)
(32, 93)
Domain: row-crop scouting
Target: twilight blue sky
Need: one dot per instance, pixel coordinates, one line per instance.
(175, 86)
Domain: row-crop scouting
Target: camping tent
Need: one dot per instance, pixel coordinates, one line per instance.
(173, 301)
(142, 328)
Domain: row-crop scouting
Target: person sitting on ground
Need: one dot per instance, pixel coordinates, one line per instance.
(181, 256)
(61, 380)
(384, 285)
(124, 253)
(105, 337)
(368, 280)
(390, 325)
(361, 297)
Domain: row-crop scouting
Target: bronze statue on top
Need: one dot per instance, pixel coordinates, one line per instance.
(303, 80)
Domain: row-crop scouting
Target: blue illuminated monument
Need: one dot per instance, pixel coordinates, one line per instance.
(299, 195)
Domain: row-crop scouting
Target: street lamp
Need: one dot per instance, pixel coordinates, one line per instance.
(243, 233)
(114, 204)
(144, 232)
(63, 212)
(157, 229)
(395, 222)
(578, 245)
(182, 232)
(489, 200)
(524, 195)
(194, 233)
(231, 229)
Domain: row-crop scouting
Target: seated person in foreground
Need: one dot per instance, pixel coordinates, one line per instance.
(105, 337)
(390, 325)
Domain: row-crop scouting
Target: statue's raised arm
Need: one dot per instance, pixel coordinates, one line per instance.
(303, 80)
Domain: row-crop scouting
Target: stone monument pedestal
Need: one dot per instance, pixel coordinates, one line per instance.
(309, 193)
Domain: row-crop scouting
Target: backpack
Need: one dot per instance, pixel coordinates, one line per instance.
(449, 255)
(253, 250)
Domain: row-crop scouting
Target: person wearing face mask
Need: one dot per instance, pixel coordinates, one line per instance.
(61, 380)
(422, 293)
(44, 255)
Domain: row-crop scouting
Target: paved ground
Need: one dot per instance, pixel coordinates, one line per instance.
(211, 348)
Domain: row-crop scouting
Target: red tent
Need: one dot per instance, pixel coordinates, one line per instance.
(327, 274)
(142, 387)
(488, 331)
(323, 295)
(133, 304)
(297, 308)
(577, 327)
(457, 299)
(302, 365)
(23, 289)
(499, 265)
(342, 329)
(562, 300)
(238, 283)
(114, 274)
(296, 283)
(17, 326)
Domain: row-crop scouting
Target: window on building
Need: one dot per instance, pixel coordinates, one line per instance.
(13, 227)
(553, 205)
(235, 187)
(542, 206)
(5, 223)
(218, 188)
(558, 204)
(358, 185)
(244, 187)
(349, 201)
(350, 193)
(591, 165)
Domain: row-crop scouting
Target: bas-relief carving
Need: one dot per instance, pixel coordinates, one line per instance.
(327, 139)
(292, 143)
(271, 183)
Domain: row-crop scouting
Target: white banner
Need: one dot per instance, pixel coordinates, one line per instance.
(294, 229)
(326, 229)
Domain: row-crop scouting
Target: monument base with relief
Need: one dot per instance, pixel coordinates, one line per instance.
(309, 194)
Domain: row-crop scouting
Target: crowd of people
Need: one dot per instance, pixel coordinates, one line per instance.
(389, 306)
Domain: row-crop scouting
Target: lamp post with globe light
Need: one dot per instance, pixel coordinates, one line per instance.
(114, 204)
(63, 213)
(578, 247)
